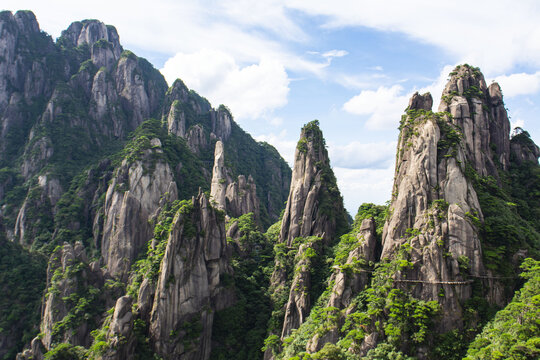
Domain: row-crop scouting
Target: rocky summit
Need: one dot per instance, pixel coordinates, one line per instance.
(137, 221)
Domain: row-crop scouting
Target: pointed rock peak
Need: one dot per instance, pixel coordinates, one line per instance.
(495, 94)
(222, 123)
(368, 225)
(465, 80)
(178, 91)
(523, 147)
(26, 20)
(311, 143)
(424, 101)
(315, 206)
(220, 177)
(91, 32)
(23, 20)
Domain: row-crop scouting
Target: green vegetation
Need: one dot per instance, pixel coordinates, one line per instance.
(22, 281)
(66, 351)
(450, 134)
(243, 155)
(379, 213)
(84, 303)
(240, 330)
(504, 231)
(149, 265)
(401, 320)
(514, 333)
(175, 151)
(450, 137)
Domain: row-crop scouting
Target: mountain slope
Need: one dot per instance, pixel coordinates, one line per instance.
(95, 150)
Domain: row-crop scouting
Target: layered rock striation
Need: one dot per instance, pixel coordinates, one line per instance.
(234, 197)
(314, 216)
(134, 198)
(435, 210)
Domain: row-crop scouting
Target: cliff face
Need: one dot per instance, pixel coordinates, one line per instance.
(234, 197)
(313, 218)
(189, 289)
(93, 150)
(25, 77)
(134, 198)
(314, 206)
(435, 206)
(479, 112)
(453, 236)
(126, 187)
(69, 276)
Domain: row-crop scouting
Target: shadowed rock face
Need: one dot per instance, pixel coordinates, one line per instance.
(314, 209)
(234, 197)
(68, 104)
(312, 185)
(188, 290)
(478, 110)
(134, 196)
(523, 149)
(348, 285)
(68, 275)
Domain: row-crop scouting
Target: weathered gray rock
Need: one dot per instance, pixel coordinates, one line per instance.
(176, 120)
(312, 182)
(120, 337)
(221, 123)
(424, 102)
(41, 198)
(23, 78)
(234, 197)
(188, 291)
(299, 304)
(197, 139)
(68, 274)
(480, 114)
(434, 206)
(130, 87)
(220, 178)
(133, 198)
(348, 283)
(314, 208)
(523, 149)
(91, 32)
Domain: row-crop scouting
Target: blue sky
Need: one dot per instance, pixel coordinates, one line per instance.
(351, 64)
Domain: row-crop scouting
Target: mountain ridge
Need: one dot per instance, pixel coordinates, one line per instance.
(142, 211)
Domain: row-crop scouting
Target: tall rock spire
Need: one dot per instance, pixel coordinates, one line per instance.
(478, 110)
(234, 197)
(313, 218)
(435, 212)
(315, 206)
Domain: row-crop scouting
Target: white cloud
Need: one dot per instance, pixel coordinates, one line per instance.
(519, 84)
(276, 121)
(364, 185)
(250, 91)
(518, 123)
(247, 31)
(279, 141)
(436, 88)
(357, 155)
(384, 106)
(334, 53)
(484, 33)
